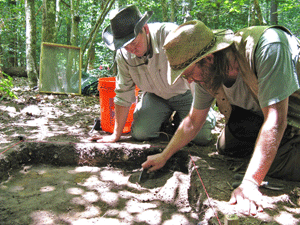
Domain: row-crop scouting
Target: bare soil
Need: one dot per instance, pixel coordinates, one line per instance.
(51, 174)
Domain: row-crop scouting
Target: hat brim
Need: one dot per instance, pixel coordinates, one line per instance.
(222, 42)
(115, 44)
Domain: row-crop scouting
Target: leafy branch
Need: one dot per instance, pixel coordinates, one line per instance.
(6, 85)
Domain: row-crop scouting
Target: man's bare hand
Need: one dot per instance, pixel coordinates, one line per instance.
(104, 139)
(248, 199)
(154, 162)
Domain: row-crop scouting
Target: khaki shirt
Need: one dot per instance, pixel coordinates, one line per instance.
(151, 77)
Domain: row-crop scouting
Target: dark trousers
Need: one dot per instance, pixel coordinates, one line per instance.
(238, 140)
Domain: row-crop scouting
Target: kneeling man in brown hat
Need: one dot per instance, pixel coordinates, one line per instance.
(254, 76)
(141, 61)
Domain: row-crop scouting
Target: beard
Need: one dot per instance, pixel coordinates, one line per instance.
(213, 75)
(207, 76)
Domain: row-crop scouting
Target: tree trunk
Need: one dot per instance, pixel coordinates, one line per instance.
(173, 8)
(1, 74)
(94, 32)
(49, 29)
(49, 34)
(164, 8)
(187, 10)
(218, 11)
(31, 43)
(1, 54)
(258, 11)
(251, 20)
(75, 22)
(69, 29)
(92, 54)
(274, 14)
(12, 52)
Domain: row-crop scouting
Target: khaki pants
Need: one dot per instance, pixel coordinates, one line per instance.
(152, 111)
(238, 140)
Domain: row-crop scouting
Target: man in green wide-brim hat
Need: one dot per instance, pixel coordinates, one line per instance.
(142, 61)
(254, 76)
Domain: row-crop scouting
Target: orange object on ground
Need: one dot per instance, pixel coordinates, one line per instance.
(106, 87)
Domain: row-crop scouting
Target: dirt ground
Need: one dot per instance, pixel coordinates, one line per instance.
(51, 174)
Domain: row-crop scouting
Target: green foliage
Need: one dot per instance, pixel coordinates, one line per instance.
(288, 13)
(12, 28)
(6, 85)
(222, 14)
(216, 14)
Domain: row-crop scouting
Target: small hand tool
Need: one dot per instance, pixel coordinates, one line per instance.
(96, 125)
(144, 176)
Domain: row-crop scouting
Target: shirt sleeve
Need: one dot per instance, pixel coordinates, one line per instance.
(274, 67)
(202, 99)
(125, 86)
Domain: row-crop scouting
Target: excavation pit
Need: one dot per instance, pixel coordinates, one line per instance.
(48, 183)
(93, 183)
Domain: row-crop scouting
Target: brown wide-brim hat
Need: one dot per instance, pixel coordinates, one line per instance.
(124, 27)
(191, 42)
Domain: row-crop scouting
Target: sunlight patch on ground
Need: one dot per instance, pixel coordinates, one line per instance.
(90, 197)
(177, 219)
(110, 198)
(90, 212)
(75, 191)
(115, 176)
(286, 218)
(88, 169)
(42, 217)
(31, 110)
(47, 189)
(12, 112)
(93, 183)
(150, 217)
(134, 206)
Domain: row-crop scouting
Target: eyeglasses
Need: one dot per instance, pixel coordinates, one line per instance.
(133, 44)
(184, 77)
(193, 76)
(189, 74)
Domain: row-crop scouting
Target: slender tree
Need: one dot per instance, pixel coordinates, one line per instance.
(92, 54)
(273, 13)
(1, 74)
(164, 8)
(258, 12)
(12, 57)
(31, 42)
(1, 54)
(173, 9)
(251, 19)
(94, 32)
(49, 28)
(75, 22)
(49, 34)
(255, 12)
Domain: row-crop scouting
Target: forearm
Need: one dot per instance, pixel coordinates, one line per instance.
(121, 113)
(266, 147)
(186, 132)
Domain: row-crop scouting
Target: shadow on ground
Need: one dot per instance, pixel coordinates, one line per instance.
(50, 174)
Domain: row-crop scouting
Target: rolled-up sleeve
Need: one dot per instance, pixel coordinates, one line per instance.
(125, 87)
